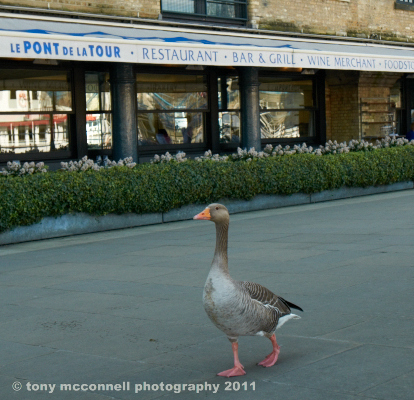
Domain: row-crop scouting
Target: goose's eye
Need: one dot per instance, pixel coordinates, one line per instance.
(217, 208)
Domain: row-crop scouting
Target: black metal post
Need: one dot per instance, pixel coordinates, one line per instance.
(249, 107)
(80, 114)
(124, 133)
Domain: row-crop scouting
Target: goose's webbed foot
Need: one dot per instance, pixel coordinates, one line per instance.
(272, 357)
(238, 368)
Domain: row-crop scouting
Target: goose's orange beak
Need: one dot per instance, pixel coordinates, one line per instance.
(204, 214)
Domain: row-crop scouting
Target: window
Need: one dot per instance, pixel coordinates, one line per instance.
(404, 5)
(287, 108)
(98, 111)
(34, 112)
(234, 10)
(381, 115)
(171, 109)
(229, 109)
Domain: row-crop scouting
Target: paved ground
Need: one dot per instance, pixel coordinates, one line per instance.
(125, 308)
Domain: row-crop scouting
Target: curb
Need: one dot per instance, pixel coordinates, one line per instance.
(344, 192)
(80, 223)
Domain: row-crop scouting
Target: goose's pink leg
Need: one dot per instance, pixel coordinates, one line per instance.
(272, 357)
(237, 370)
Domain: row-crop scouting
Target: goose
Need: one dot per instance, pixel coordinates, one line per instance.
(240, 308)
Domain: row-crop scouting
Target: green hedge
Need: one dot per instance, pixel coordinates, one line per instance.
(161, 187)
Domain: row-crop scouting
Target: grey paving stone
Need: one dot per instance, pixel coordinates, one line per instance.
(15, 278)
(352, 371)
(69, 367)
(264, 389)
(214, 355)
(15, 294)
(400, 388)
(11, 312)
(380, 331)
(316, 321)
(138, 341)
(14, 352)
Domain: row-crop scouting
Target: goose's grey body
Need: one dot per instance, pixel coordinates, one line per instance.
(239, 308)
(243, 308)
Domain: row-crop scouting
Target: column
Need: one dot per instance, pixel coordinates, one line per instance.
(124, 132)
(249, 107)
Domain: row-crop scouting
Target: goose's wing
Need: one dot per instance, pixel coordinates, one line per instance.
(268, 298)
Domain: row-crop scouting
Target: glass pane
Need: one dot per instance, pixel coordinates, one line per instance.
(98, 91)
(229, 94)
(395, 94)
(33, 133)
(34, 90)
(224, 9)
(285, 94)
(60, 132)
(184, 6)
(378, 116)
(167, 92)
(170, 128)
(63, 101)
(286, 124)
(214, 8)
(99, 131)
(229, 123)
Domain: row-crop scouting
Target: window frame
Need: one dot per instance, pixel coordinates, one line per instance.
(229, 146)
(94, 152)
(186, 147)
(201, 14)
(404, 5)
(314, 110)
(50, 155)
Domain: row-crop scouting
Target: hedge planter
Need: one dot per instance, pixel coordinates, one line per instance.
(80, 223)
(161, 188)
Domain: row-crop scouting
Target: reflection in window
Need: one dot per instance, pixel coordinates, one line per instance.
(229, 94)
(229, 106)
(98, 108)
(171, 92)
(182, 6)
(34, 108)
(171, 109)
(286, 108)
(285, 94)
(170, 128)
(286, 124)
(224, 10)
(99, 131)
(33, 133)
(229, 124)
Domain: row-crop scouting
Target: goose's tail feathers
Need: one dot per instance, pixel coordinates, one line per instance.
(291, 305)
(286, 318)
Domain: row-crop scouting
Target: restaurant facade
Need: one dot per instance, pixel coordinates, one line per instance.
(195, 78)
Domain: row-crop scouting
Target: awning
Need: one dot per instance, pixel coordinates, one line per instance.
(35, 37)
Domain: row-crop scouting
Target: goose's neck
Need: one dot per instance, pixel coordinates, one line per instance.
(220, 255)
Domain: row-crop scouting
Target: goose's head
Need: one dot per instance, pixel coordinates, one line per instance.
(214, 212)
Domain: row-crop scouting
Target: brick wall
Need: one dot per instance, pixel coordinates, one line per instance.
(129, 8)
(361, 18)
(342, 105)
